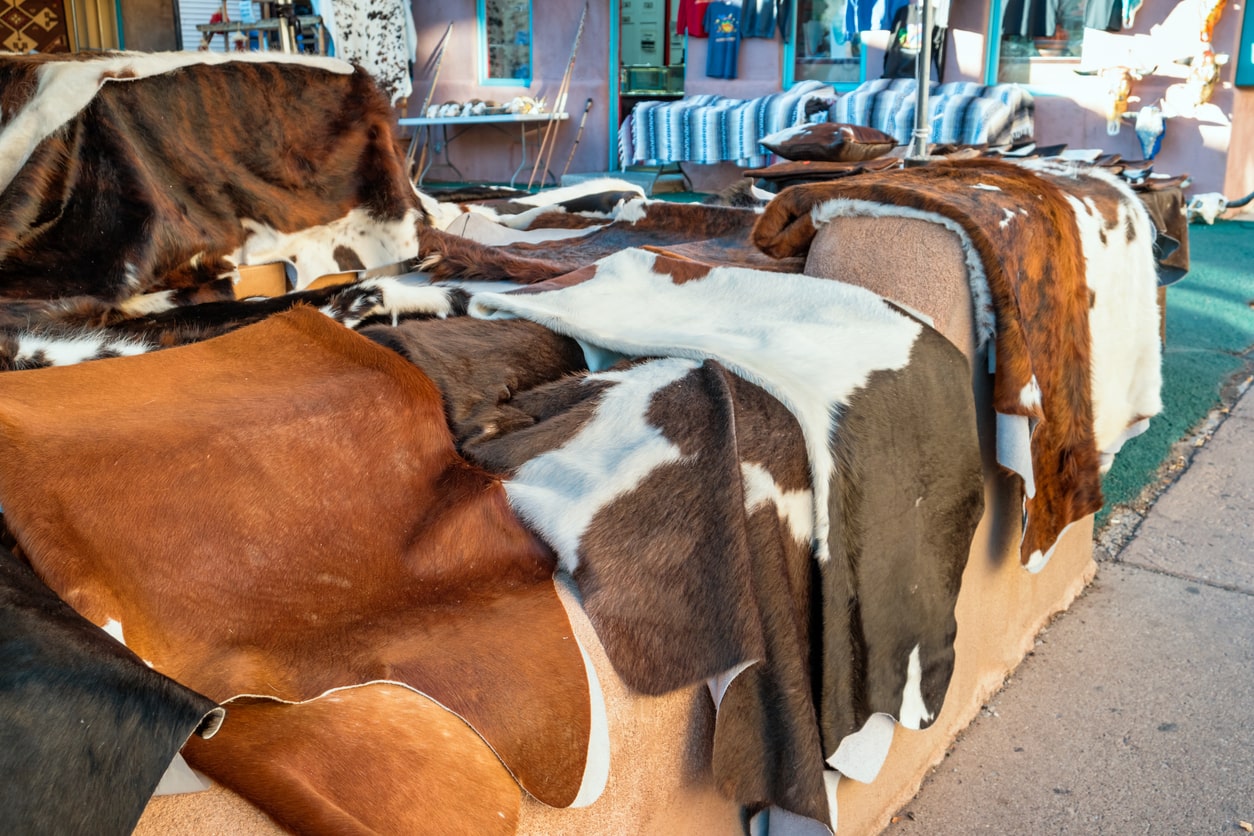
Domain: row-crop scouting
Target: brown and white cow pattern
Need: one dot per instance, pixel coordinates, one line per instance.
(603, 499)
(190, 169)
(1041, 269)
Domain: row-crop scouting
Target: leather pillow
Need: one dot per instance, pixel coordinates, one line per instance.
(829, 142)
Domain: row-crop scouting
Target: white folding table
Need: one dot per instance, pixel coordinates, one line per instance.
(439, 140)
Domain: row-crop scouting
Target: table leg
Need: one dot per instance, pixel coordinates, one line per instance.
(522, 129)
(522, 136)
(440, 146)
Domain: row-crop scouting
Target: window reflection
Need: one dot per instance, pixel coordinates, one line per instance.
(825, 51)
(507, 31)
(1041, 39)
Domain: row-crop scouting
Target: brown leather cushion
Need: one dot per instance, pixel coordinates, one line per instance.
(829, 142)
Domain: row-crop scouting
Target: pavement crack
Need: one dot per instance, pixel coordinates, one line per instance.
(1185, 576)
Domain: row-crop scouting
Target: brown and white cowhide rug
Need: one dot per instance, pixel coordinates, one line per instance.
(794, 491)
(124, 174)
(1063, 271)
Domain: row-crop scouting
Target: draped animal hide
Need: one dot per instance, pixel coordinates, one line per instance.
(126, 173)
(86, 728)
(814, 465)
(1055, 254)
(280, 512)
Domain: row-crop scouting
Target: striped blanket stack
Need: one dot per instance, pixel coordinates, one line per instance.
(960, 112)
(712, 129)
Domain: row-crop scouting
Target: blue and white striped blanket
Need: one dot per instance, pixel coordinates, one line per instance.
(959, 112)
(712, 129)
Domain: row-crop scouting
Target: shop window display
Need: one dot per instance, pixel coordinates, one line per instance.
(825, 50)
(505, 32)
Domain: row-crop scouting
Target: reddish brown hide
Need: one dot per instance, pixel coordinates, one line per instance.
(423, 765)
(1036, 276)
(280, 511)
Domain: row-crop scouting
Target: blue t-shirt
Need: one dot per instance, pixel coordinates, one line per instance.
(722, 22)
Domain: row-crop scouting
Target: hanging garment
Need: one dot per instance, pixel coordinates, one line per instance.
(904, 44)
(1030, 18)
(379, 36)
(1104, 14)
(866, 15)
(691, 18)
(759, 18)
(722, 22)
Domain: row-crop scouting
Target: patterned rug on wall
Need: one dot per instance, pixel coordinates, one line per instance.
(33, 26)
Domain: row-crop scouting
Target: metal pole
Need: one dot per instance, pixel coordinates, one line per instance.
(923, 78)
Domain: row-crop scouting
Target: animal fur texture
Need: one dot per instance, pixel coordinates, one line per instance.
(1062, 248)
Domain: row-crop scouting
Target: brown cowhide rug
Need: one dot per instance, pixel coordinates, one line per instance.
(1028, 233)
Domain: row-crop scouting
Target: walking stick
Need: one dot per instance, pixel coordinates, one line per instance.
(438, 59)
(560, 104)
(578, 135)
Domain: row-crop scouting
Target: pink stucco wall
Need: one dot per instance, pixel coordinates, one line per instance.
(486, 154)
(1215, 147)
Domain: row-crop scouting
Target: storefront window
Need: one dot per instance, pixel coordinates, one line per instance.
(1041, 39)
(505, 40)
(825, 51)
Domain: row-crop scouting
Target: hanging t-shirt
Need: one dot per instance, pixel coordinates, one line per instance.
(865, 15)
(759, 17)
(691, 18)
(722, 22)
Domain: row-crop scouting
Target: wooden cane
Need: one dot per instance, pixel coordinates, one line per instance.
(549, 139)
(426, 102)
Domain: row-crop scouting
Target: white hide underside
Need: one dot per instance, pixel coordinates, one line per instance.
(548, 197)
(861, 755)
(180, 778)
(475, 227)
(1014, 448)
(66, 87)
(795, 346)
(311, 252)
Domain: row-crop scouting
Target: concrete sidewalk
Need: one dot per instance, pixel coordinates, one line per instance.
(1135, 712)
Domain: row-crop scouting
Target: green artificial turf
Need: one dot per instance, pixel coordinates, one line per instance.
(1210, 330)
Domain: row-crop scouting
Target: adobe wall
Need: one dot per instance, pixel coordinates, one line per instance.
(486, 154)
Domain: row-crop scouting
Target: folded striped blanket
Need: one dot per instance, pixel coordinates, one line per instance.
(711, 129)
(959, 112)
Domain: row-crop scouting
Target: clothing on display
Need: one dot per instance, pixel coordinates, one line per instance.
(722, 22)
(691, 18)
(761, 18)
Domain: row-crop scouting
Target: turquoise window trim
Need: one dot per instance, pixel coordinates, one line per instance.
(790, 58)
(612, 57)
(1243, 76)
(481, 25)
(992, 53)
(790, 47)
(992, 49)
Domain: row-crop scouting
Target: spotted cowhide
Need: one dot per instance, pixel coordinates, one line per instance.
(1063, 256)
